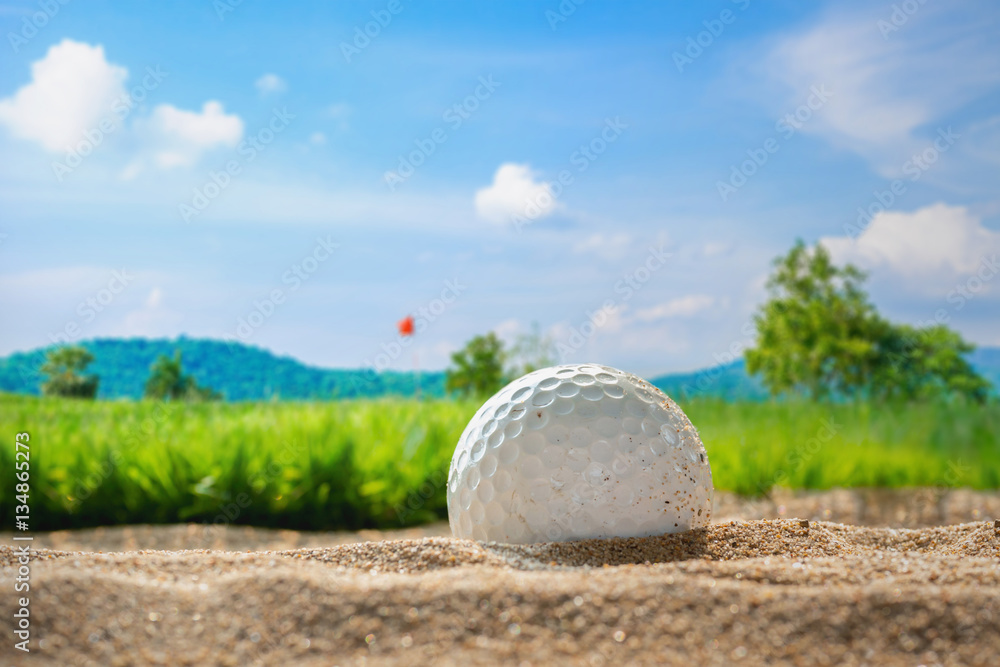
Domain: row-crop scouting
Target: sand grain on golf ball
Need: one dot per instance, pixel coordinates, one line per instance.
(574, 452)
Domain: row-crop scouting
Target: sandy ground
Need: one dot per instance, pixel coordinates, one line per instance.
(782, 581)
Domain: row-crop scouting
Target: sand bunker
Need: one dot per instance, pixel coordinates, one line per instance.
(754, 592)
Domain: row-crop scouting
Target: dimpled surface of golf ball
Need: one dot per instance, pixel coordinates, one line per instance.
(574, 452)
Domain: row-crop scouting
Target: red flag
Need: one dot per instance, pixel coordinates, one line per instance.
(406, 326)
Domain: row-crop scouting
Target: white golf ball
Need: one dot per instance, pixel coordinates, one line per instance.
(574, 452)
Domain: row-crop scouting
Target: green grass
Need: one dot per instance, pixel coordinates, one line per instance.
(355, 464)
(755, 446)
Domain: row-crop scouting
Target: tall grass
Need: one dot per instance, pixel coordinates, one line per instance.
(298, 465)
(755, 446)
(355, 464)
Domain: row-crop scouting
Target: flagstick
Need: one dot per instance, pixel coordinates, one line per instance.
(416, 371)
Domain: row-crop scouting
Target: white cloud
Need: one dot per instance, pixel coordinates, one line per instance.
(978, 156)
(888, 90)
(606, 246)
(270, 84)
(131, 170)
(515, 192)
(155, 298)
(72, 89)
(66, 282)
(182, 136)
(925, 246)
(338, 110)
(154, 318)
(616, 321)
(508, 330)
(713, 248)
(317, 138)
(684, 306)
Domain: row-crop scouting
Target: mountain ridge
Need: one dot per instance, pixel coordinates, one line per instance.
(238, 371)
(249, 373)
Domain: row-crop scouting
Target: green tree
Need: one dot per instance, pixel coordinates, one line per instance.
(167, 381)
(64, 367)
(530, 352)
(925, 363)
(478, 368)
(819, 333)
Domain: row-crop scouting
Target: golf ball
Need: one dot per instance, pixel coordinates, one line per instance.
(578, 451)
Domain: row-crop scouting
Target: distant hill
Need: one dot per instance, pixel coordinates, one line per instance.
(732, 382)
(987, 362)
(246, 373)
(729, 381)
(240, 372)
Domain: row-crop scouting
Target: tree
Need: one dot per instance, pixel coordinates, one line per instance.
(478, 367)
(530, 352)
(924, 363)
(64, 367)
(167, 381)
(819, 333)
(818, 330)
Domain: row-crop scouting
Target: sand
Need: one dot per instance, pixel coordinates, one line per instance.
(796, 591)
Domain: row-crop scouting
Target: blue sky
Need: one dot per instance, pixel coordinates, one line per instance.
(269, 173)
